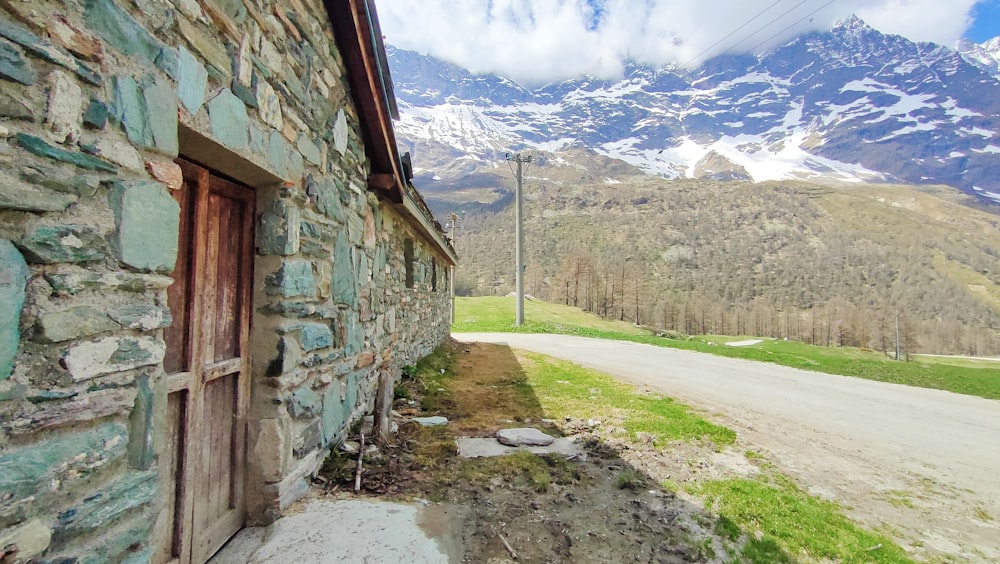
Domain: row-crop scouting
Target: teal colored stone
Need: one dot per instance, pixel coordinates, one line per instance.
(235, 9)
(13, 280)
(73, 323)
(60, 180)
(63, 243)
(14, 107)
(39, 147)
(325, 193)
(161, 116)
(15, 67)
(41, 396)
(353, 385)
(119, 31)
(96, 114)
(344, 279)
(130, 351)
(245, 94)
(258, 139)
(192, 79)
(29, 470)
(277, 154)
(128, 543)
(304, 403)
(380, 260)
(310, 439)
(142, 316)
(314, 249)
(354, 335)
(294, 279)
(278, 231)
(335, 414)
(260, 67)
(147, 221)
(229, 120)
(355, 228)
(315, 336)
(167, 62)
(308, 149)
(140, 444)
(319, 231)
(45, 50)
(102, 508)
(11, 390)
(130, 109)
(291, 84)
(295, 166)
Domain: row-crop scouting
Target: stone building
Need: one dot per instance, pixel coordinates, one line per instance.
(211, 264)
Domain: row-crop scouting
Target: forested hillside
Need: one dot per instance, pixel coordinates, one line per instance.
(825, 265)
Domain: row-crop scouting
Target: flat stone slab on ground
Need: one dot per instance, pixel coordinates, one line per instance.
(431, 421)
(479, 447)
(524, 436)
(321, 530)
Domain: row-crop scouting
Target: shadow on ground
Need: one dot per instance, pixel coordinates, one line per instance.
(535, 508)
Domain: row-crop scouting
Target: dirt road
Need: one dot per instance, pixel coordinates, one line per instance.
(921, 465)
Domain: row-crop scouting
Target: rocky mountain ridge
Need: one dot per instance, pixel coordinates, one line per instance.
(845, 106)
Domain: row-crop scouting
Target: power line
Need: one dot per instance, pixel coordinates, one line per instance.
(790, 26)
(770, 23)
(732, 33)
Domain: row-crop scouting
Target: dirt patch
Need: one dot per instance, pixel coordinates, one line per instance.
(620, 503)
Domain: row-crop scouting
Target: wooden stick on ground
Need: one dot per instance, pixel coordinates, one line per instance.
(357, 471)
(507, 546)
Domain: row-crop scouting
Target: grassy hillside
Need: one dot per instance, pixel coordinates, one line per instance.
(817, 263)
(496, 313)
(963, 376)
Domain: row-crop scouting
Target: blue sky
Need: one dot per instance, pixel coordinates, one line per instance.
(987, 21)
(540, 41)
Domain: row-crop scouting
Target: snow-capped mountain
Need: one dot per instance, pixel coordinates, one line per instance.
(984, 55)
(848, 105)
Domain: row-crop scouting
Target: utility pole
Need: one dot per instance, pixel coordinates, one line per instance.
(519, 234)
(453, 221)
(897, 334)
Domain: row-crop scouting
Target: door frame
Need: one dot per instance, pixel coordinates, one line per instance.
(186, 542)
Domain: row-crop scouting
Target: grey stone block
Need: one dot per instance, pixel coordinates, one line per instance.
(13, 280)
(147, 221)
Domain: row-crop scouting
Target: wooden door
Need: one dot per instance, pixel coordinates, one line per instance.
(208, 365)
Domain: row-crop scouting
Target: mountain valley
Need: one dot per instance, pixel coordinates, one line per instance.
(812, 192)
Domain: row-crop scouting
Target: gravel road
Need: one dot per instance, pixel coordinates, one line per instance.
(922, 465)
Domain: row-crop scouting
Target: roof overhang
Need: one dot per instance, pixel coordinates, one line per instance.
(359, 38)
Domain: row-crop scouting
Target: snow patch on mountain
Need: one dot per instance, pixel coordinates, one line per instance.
(849, 105)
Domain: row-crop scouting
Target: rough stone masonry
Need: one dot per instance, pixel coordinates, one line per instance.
(97, 99)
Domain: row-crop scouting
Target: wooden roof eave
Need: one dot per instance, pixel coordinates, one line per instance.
(359, 38)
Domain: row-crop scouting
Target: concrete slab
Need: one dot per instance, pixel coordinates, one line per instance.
(320, 530)
(477, 447)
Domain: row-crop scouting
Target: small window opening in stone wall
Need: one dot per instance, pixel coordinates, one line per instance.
(434, 275)
(408, 261)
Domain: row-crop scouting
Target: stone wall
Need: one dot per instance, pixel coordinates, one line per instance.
(97, 97)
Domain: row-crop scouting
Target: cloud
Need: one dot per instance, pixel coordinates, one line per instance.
(541, 41)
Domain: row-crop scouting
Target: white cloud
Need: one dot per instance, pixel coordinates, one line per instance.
(539, 41)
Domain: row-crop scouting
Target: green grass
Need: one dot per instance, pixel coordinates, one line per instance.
(565, 389)
(974, 378)
(496, 314)
(763, 520)
(785, 524)
(986, 363)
